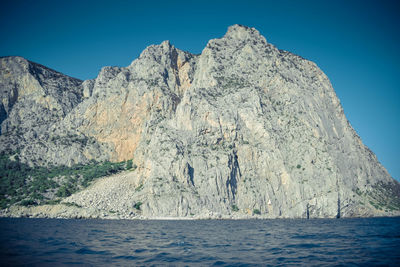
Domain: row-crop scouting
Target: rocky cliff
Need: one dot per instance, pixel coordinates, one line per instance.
(243, 129)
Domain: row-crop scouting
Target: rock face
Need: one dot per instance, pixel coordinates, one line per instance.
(241, 129)
(34, 100)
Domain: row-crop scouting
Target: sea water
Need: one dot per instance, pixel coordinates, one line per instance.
(281, 242)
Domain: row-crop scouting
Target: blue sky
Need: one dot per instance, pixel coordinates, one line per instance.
(356, 43)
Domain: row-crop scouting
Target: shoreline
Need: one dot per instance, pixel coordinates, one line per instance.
(62, 211)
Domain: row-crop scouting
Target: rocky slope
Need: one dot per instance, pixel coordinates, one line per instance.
(242, 129)
(33, 100)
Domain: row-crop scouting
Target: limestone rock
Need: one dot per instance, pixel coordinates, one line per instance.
(241, 129)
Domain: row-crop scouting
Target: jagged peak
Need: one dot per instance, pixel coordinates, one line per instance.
(238, 31)
(236, 35)
(20, 64)
(15, 60)
(162, 48)
(108, 72)
(166, 44)
(161, 52)
(19, 58)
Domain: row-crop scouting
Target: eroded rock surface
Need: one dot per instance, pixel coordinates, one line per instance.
(241, 129)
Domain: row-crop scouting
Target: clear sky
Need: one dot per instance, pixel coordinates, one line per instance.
(356, 43)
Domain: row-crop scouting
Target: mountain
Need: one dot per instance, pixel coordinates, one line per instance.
(241, 130)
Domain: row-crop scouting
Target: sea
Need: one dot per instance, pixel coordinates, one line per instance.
(279, 242)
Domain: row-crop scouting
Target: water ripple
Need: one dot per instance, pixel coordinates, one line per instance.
(210, 243)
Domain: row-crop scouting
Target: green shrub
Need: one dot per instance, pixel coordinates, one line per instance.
(63, 191)
(28, 202)
(137, 205)
(235, 208)
(139, 188)
(257, 211)
(53, 202)
(129, 164)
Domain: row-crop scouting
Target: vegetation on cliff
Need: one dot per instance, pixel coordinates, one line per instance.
(27, 185)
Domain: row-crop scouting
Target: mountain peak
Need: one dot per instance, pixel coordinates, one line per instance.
(166, 43)
(163, 48)
(238, 31)
(241, 129)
